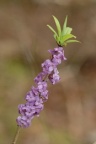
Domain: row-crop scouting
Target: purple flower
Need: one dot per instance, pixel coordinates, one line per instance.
(54, 77)
(42, 88)
(29, 110)
(57, 55)
(30, 97)
(48, 66)
(36, 97)
(23, 121)
(44, 95)
(56, 59)
(56, 51)
(26, 110)
(35, 91)
(40, 77)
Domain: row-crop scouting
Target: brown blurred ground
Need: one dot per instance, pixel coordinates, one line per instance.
(70, 113)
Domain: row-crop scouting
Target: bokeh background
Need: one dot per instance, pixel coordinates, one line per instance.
(69, 116)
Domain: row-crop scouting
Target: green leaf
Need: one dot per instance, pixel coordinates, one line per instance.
(68, 30)
(64, 26)
(57, 25)
(65, 23)
(71, 41)
(66, 37)
(52, 30)
(57, 38)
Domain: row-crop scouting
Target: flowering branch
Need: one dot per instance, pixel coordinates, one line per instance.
(36, 97)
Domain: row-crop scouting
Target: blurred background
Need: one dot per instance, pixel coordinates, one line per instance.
(69, 116)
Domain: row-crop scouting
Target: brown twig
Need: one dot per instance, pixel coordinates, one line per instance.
(16, 135)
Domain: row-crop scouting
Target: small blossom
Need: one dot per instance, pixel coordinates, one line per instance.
(35, 91)
(40, 77)
(56, 51)
(44, 95)
(57, 55)
(28, 111)
(54, 77)
(30, 96)
(48, 66)
(23, 121)
(56, 59)
(42, 86)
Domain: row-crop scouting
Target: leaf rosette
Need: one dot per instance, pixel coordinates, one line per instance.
(62, 36)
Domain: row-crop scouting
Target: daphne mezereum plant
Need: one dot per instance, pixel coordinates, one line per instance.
(38, 94)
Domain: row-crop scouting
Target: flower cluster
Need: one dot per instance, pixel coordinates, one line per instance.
(36, 97)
